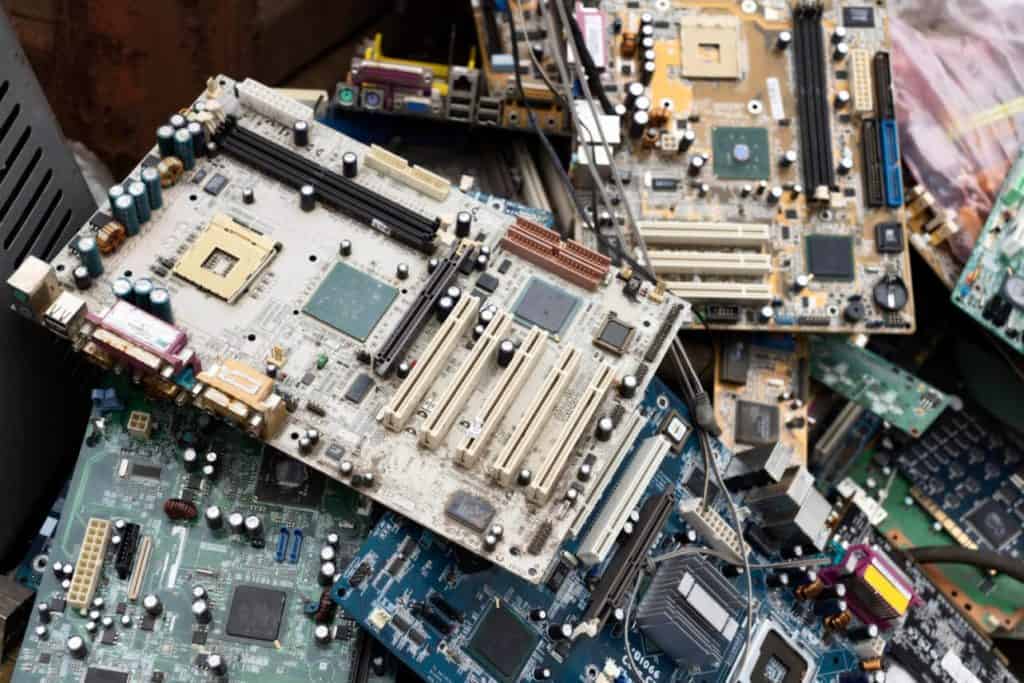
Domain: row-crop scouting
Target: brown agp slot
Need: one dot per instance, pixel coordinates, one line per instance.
(565, 258)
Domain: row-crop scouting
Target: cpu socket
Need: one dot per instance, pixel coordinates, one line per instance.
(225, 258)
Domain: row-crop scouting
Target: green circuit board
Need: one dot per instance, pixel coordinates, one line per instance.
(991, 285)
(261, 596)
(872, 382)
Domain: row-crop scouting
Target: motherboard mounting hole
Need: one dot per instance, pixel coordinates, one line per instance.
(127, 273)
(312, 258)
(251, 337)
(647, 323)
(294, 435)
(295, 311)
(342, 592)
(514, 551)
(193, 197)
(662, 401)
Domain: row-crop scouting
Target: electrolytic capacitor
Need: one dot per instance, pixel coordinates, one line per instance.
(845, 166)
(783, 40)
(349, 165)
(236, 522)
(542, 673)
(686, 139)
(842, 98)
(628, 386)
(254, 527)
(165, 140)
(828, 608)
(840, 52)
(834, 592)
(774, 195)
(838, 35)
(486, 316)
(326, 575)
(328, 554)
(43, 610)
(76, 647)
(403, 369)
(525, 477)
(633, 91)
(463, 224)
(638, 124)
(538, 614)
(141, 198)
(248, 196)
(201, 612)
(322, 634)
(160, 304)
(559, 631)
(506, 351)
(42, 633)
(190, 460)
(217, 664)
(141, 290)
(154, 193)
(333, 539)
(178, 121)
(861, 633)
(444, 308)
(643, 103)
(113, 192)
(214, 518)
(152, 604)
(89, 252)
(647, 72)
(696, 165)
(300, 133)
(307, 198)
(198, 135)
(126, 215)
(122, 288)
(788, 158)
(777, 580)
(604, 429)
(402, 271)
(183, 148)
(345, 248)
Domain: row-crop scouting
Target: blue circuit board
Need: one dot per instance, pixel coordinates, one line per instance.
(515, 209)
(402, 567)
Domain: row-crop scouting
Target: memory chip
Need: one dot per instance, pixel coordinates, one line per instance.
(889, 238)
(830, 257)
(470, 510)
(256, 613)
(359, 389)
(487, 282)
(859, 17)
(216, 185)
(757, 424)
(503, 643)
(546, 306)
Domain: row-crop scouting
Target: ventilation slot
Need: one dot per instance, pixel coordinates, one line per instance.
(9, 122)
(3, 89)
(20, 185)
(52, 243)
(27, 211)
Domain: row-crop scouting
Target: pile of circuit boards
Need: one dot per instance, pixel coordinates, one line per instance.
(359, 422)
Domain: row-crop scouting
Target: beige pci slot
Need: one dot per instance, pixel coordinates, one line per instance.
(697, 234)
(557, 456)
(509, 384)
(860, 81)
(505, 467)
(712, 527)
(454, 398)
(419, 179)
(730, 292)
(710, 263)
(428, 366)
(90, 563)
(623, 500)
(635, 423)
(139, 571)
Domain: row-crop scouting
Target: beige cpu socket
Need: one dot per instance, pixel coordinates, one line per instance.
(225, 258)
(711, 47)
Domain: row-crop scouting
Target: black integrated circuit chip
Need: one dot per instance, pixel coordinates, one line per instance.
(757, 424)
(734, 361)
(359, 389)
(889, 238)
(97, 675)
(487, 282)
(470, 510)
(503, 643)
(859, 17)
(256, 613)
(283, 480)
(614, 335)
(216, 185)
(994, 522)
(546, 306)
(778, 661)
(830, 257)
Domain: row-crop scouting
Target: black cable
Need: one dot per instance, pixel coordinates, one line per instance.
(984, 559)
(589, 67)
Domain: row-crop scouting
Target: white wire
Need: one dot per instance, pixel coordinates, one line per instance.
(581, 78)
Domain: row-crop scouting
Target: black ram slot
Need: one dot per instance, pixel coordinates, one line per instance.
(809, 68)
(616, 582)
(405, 332)
(356, 201)
(884, 106)
(874, 189)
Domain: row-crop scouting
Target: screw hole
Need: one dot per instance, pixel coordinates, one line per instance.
(127, 273)
(312, 258)
(192, 197)
(251, 337)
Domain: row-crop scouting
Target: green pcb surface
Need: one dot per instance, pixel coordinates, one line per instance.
(991, 285)
(260, 603)
(872, 382)
(741, 153)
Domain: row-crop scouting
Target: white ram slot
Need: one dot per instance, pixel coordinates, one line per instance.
(409, 395)
(458, 391)
(606, 471)
(698, 234)
(729, 292)
(623, 500)
(557, 456)
(710, 263)
(712, 527)
(481, 428)
(505, 467)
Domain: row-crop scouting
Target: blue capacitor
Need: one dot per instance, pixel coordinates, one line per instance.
(183, 148)
(141, 198)
(141, 290)
(126, 215)
(89, 252)
(198, 134)
(122, 288)
(160, 304)
(165, 140)
(113, 193)
(151, 177)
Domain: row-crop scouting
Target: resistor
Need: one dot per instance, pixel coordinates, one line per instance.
(178, 508)
(326, 609)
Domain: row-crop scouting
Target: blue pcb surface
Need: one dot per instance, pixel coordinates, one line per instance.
(401, 568)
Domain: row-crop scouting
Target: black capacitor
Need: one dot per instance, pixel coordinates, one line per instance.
(254, 527)
(214, 518)
(190, 460)
(481, 262)
(326, 575)
(307, 198)
(646, 19)
(604, 429)
(152, 604)
(486, 316)
(165, 140)
(777, 580)
(432, 264)
(212, 149)
(695, 166)
(783, 40)
(217, 664)
(861, 633)
(403, 370)
(402, 271)
(836, 592)
(248, 196)
(506, 351)
(201, 612)
(463, 223)
(82, 278)
(647, 72)
(178, 121)
(68, 570)
(538, 614)
(43, 610)
(542, 673)
(732, 571)
(638, 124)
(444, 308)
(300, 133)
(633, 91)
(198, 593)
(559, 631)
(58, 569)
(345, 247)
(349, 165)
(686, 140)
(628, 386)
(76, 647)
(322, 634)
